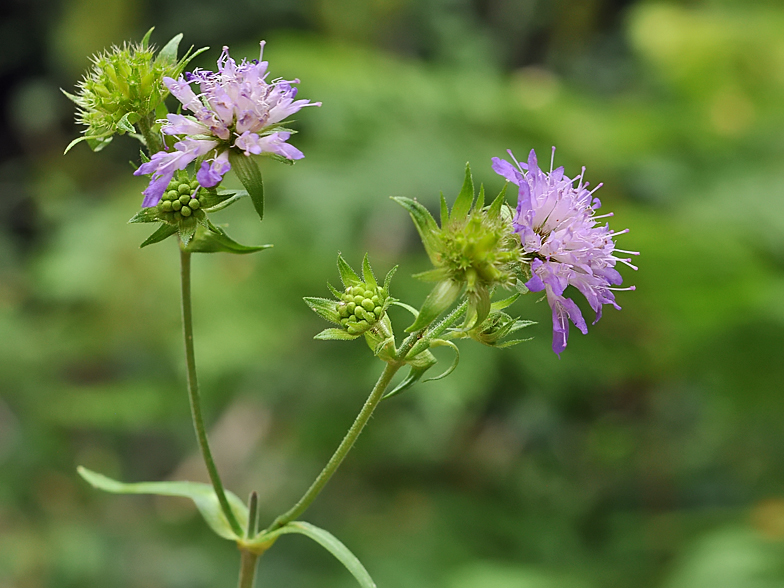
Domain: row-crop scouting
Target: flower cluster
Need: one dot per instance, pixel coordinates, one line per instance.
(564, 241)
(237, 110)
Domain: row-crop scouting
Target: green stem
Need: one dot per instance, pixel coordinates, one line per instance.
(193, 391)
(248, 562)
(340, 454)
(153, 141)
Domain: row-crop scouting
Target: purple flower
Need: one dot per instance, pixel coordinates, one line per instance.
(235, 109)
(565, 243)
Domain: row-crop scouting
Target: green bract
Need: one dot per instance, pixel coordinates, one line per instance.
(123, 88)
(474, 250)
(183, 210)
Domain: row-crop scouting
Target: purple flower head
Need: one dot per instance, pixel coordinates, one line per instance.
(566, 244)
(236, 108)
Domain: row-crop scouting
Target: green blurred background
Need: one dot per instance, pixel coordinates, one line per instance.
(650, 455)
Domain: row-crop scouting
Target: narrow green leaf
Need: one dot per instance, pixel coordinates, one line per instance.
(146, 215)
(451, 368)
(433, 275)
(214, 200)
(215, 240)
(334, 291)
(248, 173)
(169, 52)
(367, 273)
(98, 143)
(335, 335)
(124, 124)
(414, 375)
(480, 200)
(495, 208)
(388, 278)
(328, 541)
(145, 42)
(502, 304)
(163, 232)
(325, 308)
(188, 57)
(465, 198)
(347, 275)
(202, 495)
(440, 298)
(408, 307)
(444, 210)
(424, 222)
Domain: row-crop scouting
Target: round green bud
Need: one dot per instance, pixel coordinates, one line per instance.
(185, 211)
(176, 205)
(166, 205)
(344, 322)
(368, 304)
(184, 199)
(358, 299)
(359, 312)
(171, 195)
(184, 188)
(194, 184)
(363, 325)
(194, 204)
(377, 311)
(342, 310)
(376, 300)
(351, 306)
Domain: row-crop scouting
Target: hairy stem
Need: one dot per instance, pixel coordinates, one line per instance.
(351, 437)
(153, 141)
(193, 392)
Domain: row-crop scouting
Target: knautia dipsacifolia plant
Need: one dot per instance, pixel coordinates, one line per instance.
(225, 121)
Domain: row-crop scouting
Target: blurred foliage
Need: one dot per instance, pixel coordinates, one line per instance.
(650, 455)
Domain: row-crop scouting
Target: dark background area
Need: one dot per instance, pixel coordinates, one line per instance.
(649, 455)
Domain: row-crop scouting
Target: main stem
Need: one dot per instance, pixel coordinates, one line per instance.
(342, 450)
(193, 392)
(248, 562)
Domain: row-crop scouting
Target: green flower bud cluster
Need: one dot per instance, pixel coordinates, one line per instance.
(473, 251)
(360, 307)
(180, 200)
(123, 88)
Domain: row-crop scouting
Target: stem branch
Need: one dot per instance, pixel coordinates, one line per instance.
(193, 391)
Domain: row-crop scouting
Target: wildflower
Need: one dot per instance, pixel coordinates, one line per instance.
(564, 242)
(474, 250)
(237, 112)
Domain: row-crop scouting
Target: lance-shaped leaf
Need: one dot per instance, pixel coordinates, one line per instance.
(424, 222)
(494, 211)
(203, 497)
(441, 297)
(466, 197)
(451, 368)
(325, 308)
(347, 275)
(169, 52)
(419, 365)
(214, 200)
(249, 174)
(335, 335)
(367, 273)
(215, 240)
(151, 214)
(324, 538)
(163, 232)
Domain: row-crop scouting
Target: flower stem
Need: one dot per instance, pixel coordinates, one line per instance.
(348, 441)
(153, 142)
(345, 446)
(248, 562)
(193, 391)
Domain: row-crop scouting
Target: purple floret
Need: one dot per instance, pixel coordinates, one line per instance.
(235, 109)
(565, 243)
